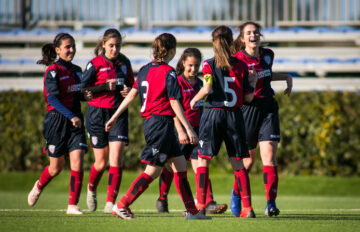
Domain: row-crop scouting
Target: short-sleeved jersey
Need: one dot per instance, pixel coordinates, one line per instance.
(62, 79)
(188, 91)
(263, 66)
(98, 71)
(157, 85)
(228, 86)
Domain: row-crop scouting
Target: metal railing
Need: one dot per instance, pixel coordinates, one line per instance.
(146, 14)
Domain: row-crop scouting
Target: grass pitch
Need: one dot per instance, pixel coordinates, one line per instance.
(306, 203)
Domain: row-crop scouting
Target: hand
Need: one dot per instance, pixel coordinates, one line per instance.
(109, 125)
(289, 82)
(88, 95)
(183, 138)
(125, 91)
(192, 136)
(111, 84)
(253, 77)
(76, 122)
(193, 104)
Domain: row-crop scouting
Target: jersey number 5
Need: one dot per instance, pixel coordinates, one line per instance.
(230, 91)
(144, 96)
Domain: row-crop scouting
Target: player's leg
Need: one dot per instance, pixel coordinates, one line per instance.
(50, 171)
(76, 179)
(270, 174)
(165, 181)
(116, 157)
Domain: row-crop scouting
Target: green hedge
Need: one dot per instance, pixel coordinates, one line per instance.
(320, 134)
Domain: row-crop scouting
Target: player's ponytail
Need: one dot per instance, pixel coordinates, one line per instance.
(48, 50)
(108, 34)
(223, 46)
(238, 44)
(189, 52)
(162, 45)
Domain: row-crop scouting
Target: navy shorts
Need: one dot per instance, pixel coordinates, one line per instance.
(61, 136)
(161, 141)
(96, 119)
(191, 151)
(222, 125)
(261, 121)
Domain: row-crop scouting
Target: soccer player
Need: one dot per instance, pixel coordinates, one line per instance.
(261, 115)
(187, 69)
(226, 86)
(109, 66)
(63, 125)
(159, 96)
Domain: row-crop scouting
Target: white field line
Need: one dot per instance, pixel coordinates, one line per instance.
(181, 210)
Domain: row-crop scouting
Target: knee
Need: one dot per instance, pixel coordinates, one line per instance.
(54, 171)
(100, 165)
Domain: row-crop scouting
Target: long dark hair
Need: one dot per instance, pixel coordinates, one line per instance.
(108, 34)
(48, 50)
(223, 46)
(162, 45)
(238, 45)
(189, 52)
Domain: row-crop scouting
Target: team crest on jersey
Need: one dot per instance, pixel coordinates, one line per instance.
(88, 66)
(124, 69)
(94, 140)
(53, 73)
(201, 142)
(52, 148)
(267, 59)
(155, 151)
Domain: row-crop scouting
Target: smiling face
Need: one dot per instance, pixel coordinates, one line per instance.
(251, 36)
(112, 48)
(191, 67)
(66, 50)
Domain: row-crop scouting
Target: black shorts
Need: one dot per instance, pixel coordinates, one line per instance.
(191, 151)
(61, 136)
(96, 119)
(261, 121)
(222, 125)
(161, 141)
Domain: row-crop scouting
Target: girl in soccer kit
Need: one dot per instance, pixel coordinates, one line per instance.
(159, 93)
(226, 87)
(261, 115)
(186, 70)
(109, 66)
(63, 126)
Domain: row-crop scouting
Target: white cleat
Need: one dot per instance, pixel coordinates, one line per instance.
(74, 210)
(91, 200)
(122, 213)
(198, 216)
(34, 194)
(108, 207)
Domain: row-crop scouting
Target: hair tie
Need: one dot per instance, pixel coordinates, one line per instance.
(219, 34)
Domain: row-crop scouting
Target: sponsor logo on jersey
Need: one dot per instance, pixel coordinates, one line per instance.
(120, 81)
(124, 69)
(201, 142)
(188, 90)
(264, 73)
(53, 73)
(94, 140)
(105, 69)
(267, 59)
(155, 151)
(52, 148)
(64, 77)
(74, 88)
(89, 65)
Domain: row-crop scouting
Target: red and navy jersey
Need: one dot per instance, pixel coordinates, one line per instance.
(263, 66)
(62, 80)
(228, 86)
(188, 91)
(98, 71)
(157, 85)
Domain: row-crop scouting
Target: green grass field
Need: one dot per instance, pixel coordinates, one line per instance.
(307, 203)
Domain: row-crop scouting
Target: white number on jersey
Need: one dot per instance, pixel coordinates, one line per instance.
(227, 89)
(146, 84)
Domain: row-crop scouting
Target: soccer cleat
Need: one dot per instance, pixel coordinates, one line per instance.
(108, 207)
(213, 208)
(123, 213)
(235, 204)
(162, 206)
(198, 216)
(73, 209)
(34, 194)
(247, 213)
(91, 200)
(271, 210)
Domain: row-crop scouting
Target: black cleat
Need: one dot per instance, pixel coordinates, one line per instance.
(162, 206)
